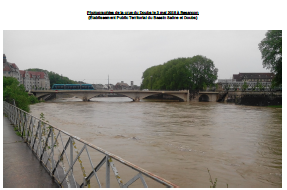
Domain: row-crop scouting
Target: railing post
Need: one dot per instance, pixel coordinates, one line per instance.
(25, 133)
(52, 147)
(107, 172)
(40, 139)
(11, 114)
(71, 154)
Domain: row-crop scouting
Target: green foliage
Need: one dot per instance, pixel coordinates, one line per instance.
(193, 73)
(271, 51)
(204, 86)
(261, 86)
(55, 78)
(59, 79)
(12, 90)
(17, 132)
(213, 184)
(275, 106)
(33, 100)
(244, 86)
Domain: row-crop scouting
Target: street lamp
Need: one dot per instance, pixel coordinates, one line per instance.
(151, 82)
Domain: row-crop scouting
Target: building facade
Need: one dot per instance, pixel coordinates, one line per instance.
(10, 69)
(30, 79)
(254, 77)
(33, 80)
(254, 81)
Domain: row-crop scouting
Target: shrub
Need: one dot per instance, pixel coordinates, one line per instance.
(12, 90)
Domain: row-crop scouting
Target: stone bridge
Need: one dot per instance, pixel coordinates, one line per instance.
(86, 95)
(206, 96)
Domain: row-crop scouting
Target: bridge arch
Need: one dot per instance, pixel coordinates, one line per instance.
(42, 95)
(96, 95)
(164, 94)
(204, 98)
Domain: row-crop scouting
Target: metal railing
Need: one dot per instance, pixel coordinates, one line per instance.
(58, 152)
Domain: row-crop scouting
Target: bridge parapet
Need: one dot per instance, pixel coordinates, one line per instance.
(135, 95)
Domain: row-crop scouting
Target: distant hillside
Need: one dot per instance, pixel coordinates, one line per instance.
(55, 78)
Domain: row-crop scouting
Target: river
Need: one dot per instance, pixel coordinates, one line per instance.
(240, 145)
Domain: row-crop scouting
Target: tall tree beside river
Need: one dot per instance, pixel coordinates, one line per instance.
(271, 50)
(192, 73)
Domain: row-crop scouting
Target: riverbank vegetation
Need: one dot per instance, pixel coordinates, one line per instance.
(193, 73)
(55, 78)
(12, 90)
(271, 51)
(275, 106)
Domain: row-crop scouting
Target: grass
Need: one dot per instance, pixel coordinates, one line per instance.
(213, 183)
(275, 106)
(17, 132)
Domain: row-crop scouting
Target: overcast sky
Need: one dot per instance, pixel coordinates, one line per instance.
(124, 55)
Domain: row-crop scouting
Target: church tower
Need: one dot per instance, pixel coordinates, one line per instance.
(4, 58)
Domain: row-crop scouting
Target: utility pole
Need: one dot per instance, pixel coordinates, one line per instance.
(151, 82)
(108, 83)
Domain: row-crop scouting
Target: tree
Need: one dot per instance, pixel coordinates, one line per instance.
(202, 71)
(261, 87)
(193, 73)
(271, 51)
(244, 86)
(13, 91)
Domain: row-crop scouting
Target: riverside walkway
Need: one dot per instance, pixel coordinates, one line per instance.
(21, 168)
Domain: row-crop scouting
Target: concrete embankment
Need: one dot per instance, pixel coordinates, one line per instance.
(21, 169)
(255, 98)
(259, 99)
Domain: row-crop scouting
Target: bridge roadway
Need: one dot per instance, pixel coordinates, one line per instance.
(85, 95)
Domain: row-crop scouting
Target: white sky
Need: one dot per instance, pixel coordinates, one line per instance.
(124, 55)
(58, 37)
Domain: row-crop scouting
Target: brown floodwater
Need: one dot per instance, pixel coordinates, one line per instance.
(240, 145)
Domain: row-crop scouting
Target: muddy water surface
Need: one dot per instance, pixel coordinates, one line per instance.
(240, 145)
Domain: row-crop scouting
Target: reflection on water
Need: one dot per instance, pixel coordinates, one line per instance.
(240, 145)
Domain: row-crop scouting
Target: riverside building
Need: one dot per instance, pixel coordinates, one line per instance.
(30, 79)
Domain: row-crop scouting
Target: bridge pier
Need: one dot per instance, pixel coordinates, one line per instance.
(85, 99)
(206, 96)
(137, 99)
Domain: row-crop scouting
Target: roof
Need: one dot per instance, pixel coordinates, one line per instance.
(6, 67)
(122, 84)
(14, 65)
(9, 66)
(22, 73)
(36, 73)
(241, 76)
(31, 73)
